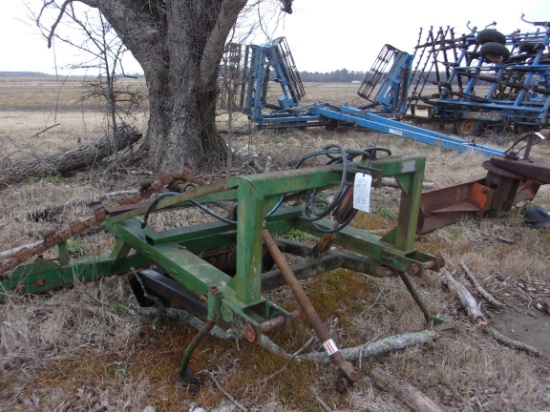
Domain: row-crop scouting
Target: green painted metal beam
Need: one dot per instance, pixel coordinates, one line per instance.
(372, 247)
(42, 275)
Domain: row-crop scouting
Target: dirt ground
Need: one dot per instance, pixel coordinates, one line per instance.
(83, 348)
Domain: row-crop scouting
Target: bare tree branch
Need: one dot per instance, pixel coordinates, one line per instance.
(57, 21)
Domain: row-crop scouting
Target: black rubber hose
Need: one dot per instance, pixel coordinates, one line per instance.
(153, 204)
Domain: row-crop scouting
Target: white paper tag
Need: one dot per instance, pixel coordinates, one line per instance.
(330, 347)
(361, 192)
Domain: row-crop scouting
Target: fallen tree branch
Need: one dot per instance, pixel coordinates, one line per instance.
(512, 343)
(480, 288)
(72, 160)
(367, 350)
(505, 240)
(289, 358)
(466, 298)
(198, 324)
(321, 402)
(227, 394)
(470, 305)
(16, 250)
(389, 344)
(404, 391)
(46, 129)
(188, 318)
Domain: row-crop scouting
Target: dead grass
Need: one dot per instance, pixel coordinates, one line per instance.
(79, 349)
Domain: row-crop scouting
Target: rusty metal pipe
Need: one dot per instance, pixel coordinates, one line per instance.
(345, 368)
(271, 324)
(182, 187)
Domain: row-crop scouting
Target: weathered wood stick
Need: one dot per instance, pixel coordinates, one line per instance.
(72, 160)
(227, 394)
(198, 324)
(404, 391)
(468, 301)
(470, 305)
(170, 313)
(512, 343)
(46, 129)
(367, 350)
(493, 301)
(16, 250)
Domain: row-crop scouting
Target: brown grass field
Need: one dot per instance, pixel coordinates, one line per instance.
(82, 349)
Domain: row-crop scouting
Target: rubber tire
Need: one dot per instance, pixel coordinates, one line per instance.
(537, 216)
(494, 52)
(469, 127)
(490, 36)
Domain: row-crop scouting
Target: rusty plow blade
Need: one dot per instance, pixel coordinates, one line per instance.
(443, 207)
(508, 181)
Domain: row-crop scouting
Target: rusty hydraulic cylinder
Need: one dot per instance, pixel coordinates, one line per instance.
(345, 368)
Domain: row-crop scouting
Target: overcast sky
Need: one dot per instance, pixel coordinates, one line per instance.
(324, 35)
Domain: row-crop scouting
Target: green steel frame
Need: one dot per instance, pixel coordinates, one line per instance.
(237, 300)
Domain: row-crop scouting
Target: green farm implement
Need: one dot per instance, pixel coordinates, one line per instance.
(219, 269)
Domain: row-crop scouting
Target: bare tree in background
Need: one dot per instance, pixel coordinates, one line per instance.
(101, 51)
(179, 44)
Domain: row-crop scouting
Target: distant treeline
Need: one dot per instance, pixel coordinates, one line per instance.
(24, 74)
(346, 76)
(337, 76)
(38, 74)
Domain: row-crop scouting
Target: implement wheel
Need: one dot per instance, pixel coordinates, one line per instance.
(468, 127)
(520, 129)
(490, 35)
(494, 52)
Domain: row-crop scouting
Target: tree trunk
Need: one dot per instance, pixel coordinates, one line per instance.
(179, 45)
(73, 160)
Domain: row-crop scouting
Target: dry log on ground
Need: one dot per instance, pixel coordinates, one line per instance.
(198, 324)
(367, 350)
(493, 301)
(73, 160)
(466, 298)
(403, 391)
(512, 343)
(472, 309)
(227, 394)
(16, 250)
(191, 320)
(370, 349)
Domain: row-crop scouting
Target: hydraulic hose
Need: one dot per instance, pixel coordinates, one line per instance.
(153, 204)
